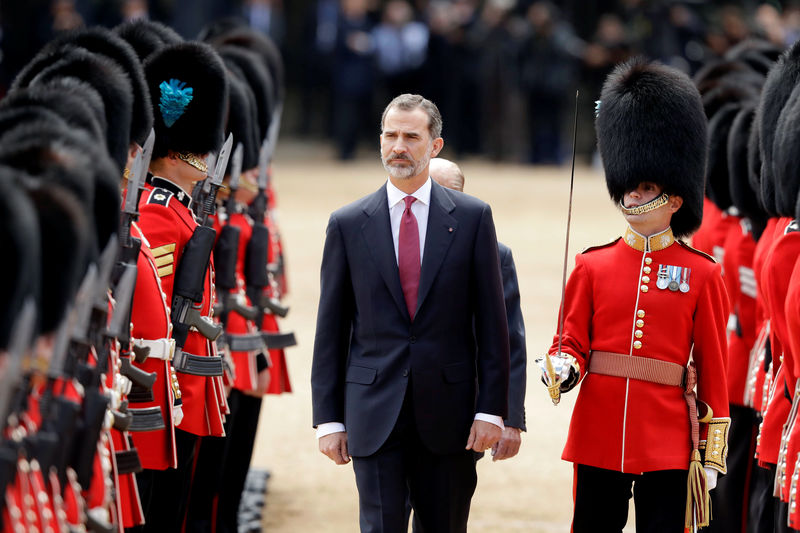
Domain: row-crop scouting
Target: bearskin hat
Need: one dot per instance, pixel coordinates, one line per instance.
(259, 80)
(743, 197)
(19, 228)
(241, 113)
(781, 79)
(74, 101)
(651, 127)
(717, 178)
(758, 54)
(267, 50)
(104, 75)
(147, 36)
(104, 42)
(189, 90)
(785, 152)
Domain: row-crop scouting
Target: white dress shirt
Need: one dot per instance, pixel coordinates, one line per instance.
(420, 208)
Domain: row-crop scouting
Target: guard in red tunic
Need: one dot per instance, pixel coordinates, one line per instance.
(189, 93)
(644, 320)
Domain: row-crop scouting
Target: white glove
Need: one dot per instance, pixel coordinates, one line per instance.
(177, 415)
(565, 367)
(711, 477)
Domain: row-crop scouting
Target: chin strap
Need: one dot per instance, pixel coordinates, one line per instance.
(652, 205)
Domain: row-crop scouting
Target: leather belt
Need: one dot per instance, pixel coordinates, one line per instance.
(197, 365)
(634, 367)
(162, 349)
(128, 462)
(146, 419)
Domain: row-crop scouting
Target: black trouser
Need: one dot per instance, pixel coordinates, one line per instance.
(729, 501)
(221, 469)
(761, 514)
(440, 487)
(164, 492)
(601, 500)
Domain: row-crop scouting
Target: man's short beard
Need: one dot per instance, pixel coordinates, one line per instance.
(406, 172)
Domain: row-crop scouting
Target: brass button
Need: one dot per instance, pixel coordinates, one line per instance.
(647, 270)
(638, 334)
(645, 288)
(637, 344)
(640, 323)
(640, 313)
(645, 279)
(648, 260)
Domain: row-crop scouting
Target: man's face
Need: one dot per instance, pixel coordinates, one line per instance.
(645, 192)
(406, 144)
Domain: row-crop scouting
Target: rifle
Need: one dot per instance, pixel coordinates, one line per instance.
(205, 191)
(20, 342)
(187, 292)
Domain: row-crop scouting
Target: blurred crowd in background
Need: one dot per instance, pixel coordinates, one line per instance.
(503, 72)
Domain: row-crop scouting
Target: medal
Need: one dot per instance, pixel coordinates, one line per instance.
(674, 276)
(663, 280)
(684, 286)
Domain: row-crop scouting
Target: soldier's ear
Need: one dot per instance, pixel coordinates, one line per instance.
(675, 203)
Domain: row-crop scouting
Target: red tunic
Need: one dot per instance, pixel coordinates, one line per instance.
(168, 224)
(613, 304)
(740, 281)
(151, 321)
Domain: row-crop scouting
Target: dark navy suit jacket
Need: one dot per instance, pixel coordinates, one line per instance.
(367, 349)
(516, 335)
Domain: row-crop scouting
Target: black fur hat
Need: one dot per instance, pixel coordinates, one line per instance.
(651, 127)
(74, 101)
(717, 178)
(785, 152)
(104, 42)
(742, 194)
(71, 158)
(781, 79)
(267, 50)
(147, 36)
(189, 90)
(758, 54)
(104, 75)
(64, 231)
(241, 114)
(259, 80)
(19, 231)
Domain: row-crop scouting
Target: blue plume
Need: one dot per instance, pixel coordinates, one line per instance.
(175, 96)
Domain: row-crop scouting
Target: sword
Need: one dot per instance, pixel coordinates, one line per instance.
(554, 389)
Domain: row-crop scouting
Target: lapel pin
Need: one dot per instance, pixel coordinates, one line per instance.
(450, 230)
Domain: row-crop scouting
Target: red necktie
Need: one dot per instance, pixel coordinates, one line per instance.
(408, 256)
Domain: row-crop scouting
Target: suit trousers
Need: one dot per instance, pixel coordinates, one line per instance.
(602, 496)
(439, 487)
(761, 514)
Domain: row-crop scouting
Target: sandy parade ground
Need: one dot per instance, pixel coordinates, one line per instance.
(531, 492)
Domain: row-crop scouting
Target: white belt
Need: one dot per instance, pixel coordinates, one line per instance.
(159, 349)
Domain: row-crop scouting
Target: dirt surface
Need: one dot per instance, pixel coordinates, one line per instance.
(531, 492)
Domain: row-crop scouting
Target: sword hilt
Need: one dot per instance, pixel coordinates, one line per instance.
(554, 389)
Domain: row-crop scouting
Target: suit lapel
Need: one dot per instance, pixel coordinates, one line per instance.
(377, 231)
(441, 229)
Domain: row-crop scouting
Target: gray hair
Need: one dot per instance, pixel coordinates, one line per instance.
(409, 102)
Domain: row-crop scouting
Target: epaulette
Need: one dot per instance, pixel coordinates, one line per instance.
(695, 250)
(159, 196)
(600, 246)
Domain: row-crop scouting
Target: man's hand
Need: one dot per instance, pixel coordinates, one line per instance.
(335, 447)
(262, 384)
(483, 435)
(508, 445)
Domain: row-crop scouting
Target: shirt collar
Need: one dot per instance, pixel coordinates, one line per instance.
(395, 195)
(179, 193)
(653, 243)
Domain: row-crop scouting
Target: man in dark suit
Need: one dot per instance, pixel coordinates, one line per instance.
(410, 370)
(448, 174)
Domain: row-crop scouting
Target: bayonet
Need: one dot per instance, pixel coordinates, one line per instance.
(74, 324)
(123, 294)
(20, 342)
(233, 182)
